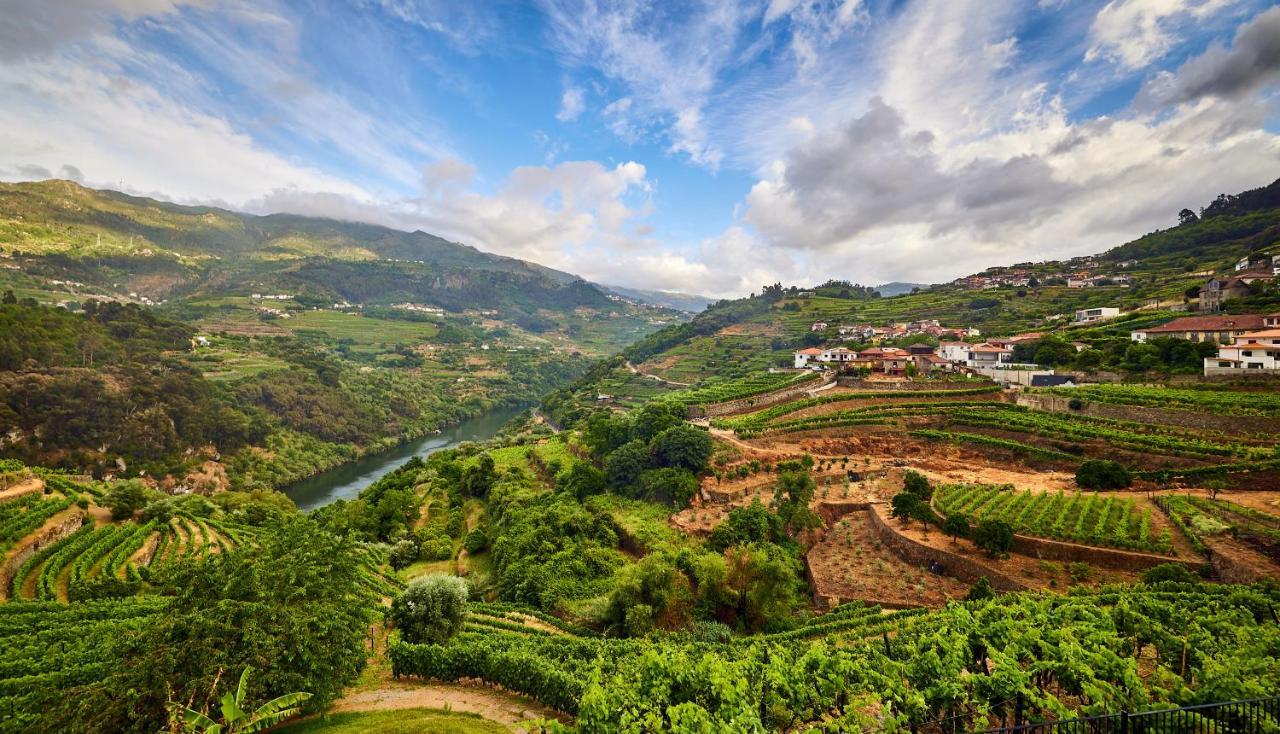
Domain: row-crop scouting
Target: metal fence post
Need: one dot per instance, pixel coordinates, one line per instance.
(1124, 722)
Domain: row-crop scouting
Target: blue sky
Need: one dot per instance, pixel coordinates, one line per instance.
(704, 147)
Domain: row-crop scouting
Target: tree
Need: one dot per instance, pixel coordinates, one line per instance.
(235, 720)
(1103, 474)
(994, 537)
(917, 484)
(9, 298)
(956, 526)
(683, 447)
(125, 499)
(478, 478)
(582, 480)
(1186, 216)
(673, 486)
(791, 497)
(292, 605)
(622, 468)
(431, 609)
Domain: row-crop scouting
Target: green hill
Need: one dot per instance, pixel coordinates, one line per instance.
(112, 241)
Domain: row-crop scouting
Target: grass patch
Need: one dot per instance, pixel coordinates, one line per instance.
(404, 721)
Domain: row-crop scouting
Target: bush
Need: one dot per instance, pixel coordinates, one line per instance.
(1169, 572)
(980, 590)
(476, 541)
(710, 631)
(994, 537)
(431, 609)
(1075, 404)
(1103, 474)
(402, 554)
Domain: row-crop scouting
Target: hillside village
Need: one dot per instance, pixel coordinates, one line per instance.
(1248, 343)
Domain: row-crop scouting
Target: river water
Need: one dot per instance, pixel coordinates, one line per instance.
(346, 481)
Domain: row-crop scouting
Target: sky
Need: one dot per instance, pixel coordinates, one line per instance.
(704, 147)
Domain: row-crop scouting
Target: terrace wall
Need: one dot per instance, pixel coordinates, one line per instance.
(955, 565)
(1238, 424)
(756, 402)
(47, 536)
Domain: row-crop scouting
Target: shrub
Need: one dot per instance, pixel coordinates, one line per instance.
(980, 590)
(1075, 404)
(476, 541)
(431, 609)
(1103, 474)
(994, 537)
(1169, 572)
(402, 554)
(710, 631)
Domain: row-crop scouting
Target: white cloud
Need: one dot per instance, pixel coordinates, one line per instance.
(572, 103)
(1133, 33)
(60, 115)
(35, 28)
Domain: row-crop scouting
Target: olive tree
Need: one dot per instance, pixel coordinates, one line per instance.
(431, 609)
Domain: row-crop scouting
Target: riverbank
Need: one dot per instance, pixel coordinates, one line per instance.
(347, 480)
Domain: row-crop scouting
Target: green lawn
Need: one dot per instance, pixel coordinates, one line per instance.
(405, 721)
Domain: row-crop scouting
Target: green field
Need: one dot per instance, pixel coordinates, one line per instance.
(360, 329)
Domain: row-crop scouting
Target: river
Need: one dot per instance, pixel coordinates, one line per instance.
(346, 481)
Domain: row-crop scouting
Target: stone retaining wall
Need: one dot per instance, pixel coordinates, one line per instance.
(756, 402)
(954, 565)
(1142, 414)
(1112, 558)
(49, 536)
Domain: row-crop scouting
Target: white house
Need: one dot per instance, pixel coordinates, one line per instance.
(808, 359)
(818, 326)
(1089, 315)
(837, 355)
(1257, 352)
(954, 352)
(988, 355)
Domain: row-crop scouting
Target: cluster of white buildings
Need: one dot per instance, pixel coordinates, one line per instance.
(1249, 343)
(947, 357)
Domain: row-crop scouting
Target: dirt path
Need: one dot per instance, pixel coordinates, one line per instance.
(26, 486)
(636, 371)
(728, 437)
(504, 708)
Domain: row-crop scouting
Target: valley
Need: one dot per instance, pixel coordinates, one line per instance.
(817, 509)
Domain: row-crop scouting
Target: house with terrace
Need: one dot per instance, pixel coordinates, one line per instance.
(1253, 353)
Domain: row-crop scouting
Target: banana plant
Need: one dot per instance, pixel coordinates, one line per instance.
(235, 720)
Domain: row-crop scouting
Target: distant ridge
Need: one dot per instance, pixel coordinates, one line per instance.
(687, 302)
(896, 288)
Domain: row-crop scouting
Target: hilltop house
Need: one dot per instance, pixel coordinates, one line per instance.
(1256, 352)
(1090, 315)
(1221, 329)
(1259, 261)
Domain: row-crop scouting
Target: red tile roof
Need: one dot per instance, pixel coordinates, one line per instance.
(1229, 322)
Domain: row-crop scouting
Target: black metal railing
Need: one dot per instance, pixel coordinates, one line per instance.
(1258, 715)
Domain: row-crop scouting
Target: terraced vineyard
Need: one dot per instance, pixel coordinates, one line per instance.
(1139, 437)
(754, 423)
(1200, 518)
(1217, 402)
(21, 515)
(1089, 519)
(754, 384)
